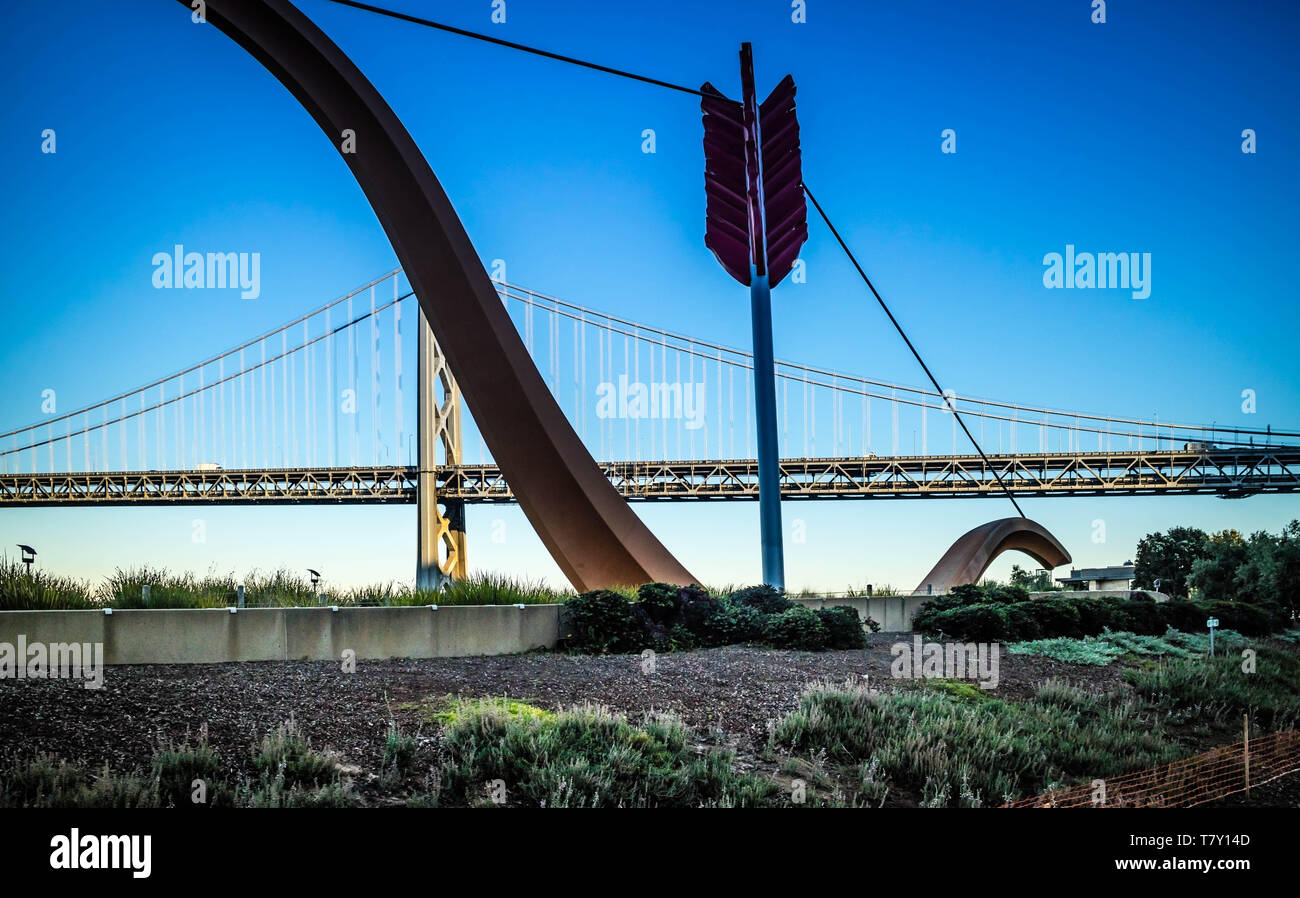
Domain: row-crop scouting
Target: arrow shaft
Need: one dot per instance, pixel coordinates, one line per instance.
(769, 462)
(749, 101)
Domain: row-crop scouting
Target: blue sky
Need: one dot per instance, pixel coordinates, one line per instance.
(1124, 136)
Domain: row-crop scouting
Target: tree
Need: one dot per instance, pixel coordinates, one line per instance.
(1037, 581)
(1215, 574)
(1286, 568)
(1168, 557)
(1268, 572)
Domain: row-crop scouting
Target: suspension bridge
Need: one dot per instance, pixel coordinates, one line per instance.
(319, 410)
(322, 410)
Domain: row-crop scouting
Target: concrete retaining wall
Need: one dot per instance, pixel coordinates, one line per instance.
(218, 635)
(215, 635)
(893, 613)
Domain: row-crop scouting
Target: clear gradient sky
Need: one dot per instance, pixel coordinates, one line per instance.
(1123, 136)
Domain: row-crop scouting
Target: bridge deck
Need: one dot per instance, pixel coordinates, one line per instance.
(1229, 473)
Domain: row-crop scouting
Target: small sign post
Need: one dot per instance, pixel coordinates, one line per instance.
(1212, 624)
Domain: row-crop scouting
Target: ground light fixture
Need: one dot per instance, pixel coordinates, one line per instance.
(29, 555)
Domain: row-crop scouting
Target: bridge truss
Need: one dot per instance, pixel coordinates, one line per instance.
(1230, 474)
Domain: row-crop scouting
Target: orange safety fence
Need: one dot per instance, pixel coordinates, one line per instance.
(1219, 772)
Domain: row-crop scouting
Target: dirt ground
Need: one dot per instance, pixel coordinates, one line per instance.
(727, 695)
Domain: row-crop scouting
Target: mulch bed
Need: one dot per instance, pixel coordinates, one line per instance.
(727, 695)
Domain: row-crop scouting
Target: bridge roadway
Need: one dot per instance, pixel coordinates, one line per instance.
(1230, 473)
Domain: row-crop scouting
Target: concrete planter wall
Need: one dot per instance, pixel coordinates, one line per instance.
(215, 635)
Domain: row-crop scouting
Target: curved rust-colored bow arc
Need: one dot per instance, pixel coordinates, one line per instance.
(971, 555)
(590, 531)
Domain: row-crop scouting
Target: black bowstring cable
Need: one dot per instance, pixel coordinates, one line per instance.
(392, 14)
(898, 327)
(451, 29)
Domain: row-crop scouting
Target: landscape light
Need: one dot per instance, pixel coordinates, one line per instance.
(315, 577)
(29, 555)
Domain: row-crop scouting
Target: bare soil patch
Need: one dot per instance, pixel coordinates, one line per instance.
(727, 695)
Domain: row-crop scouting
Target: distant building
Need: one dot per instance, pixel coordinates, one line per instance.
(1100, 578)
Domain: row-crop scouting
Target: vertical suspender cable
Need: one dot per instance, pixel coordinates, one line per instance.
(397, 375)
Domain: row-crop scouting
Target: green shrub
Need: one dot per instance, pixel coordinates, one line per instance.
(843, 627)
(659, 601)
(1217, 690)
(764, 598)
(962, 689)
(929, 618)
(1225, 640)
(110, 790)
(730, 624)
(750, 623)
(695, 608)
(1250, 620)
(1023, 620)
(668, 618)
(968, 594)
(494, 589)
(967, 615)
(976, 751)
(1008, 595)
(796, 628)
(1184, 615)
(40, 782)
(125, 589)
(278, 795)
(1109, 646)
(1095, 615)
(286, 758)
(1140, 614)
(603, 622)
(48, 782)
(1093, 650)
(176, 767)
(1052, 616)
(39, 591)
(981, 622)
(681, 639)
(399, 750)
(280, 589)
(590, 757)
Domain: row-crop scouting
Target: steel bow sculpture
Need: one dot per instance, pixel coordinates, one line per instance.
(587, 527)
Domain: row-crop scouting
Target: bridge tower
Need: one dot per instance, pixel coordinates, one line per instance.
(437, 422)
